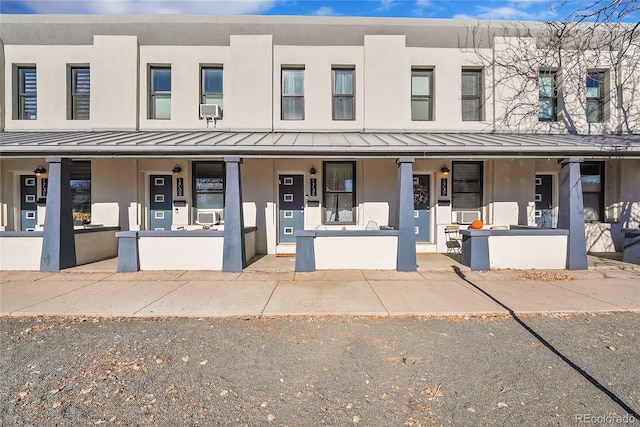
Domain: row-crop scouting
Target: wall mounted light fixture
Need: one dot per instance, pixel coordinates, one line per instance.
(176, 169)
(312, 171)
(39, 170)
(445, 170)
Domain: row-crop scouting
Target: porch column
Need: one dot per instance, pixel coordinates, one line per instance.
(233, 255)
(571, 213)
(58, 242)
(405, 223)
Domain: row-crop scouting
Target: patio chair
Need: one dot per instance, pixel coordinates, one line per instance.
(453, 239)
(372, 225)
(321, 227)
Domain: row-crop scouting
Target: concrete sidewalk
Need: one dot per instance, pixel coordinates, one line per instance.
(272, 289)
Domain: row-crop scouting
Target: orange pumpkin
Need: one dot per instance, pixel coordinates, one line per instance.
(476, 224)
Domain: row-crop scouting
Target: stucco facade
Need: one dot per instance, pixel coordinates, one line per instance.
(252, 53)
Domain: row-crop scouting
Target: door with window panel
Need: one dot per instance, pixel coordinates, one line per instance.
(160, 205)
(28, 203)
(290, 206)
(544, 201)
(421, 211)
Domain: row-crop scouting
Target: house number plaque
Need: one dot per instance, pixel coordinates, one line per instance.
(180, 187)
(314, 187)
(443, 186)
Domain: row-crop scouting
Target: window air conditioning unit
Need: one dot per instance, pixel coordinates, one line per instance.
(210, 111)
(208, 217)
(464, 217)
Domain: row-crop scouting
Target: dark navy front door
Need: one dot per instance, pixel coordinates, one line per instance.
(544, 201)
(28, 203)
(421, 211)
(160, 204)
(290, 206)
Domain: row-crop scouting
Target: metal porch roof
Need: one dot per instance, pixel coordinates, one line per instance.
(250, 144)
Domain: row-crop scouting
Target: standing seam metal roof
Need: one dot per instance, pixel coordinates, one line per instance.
(306, 143)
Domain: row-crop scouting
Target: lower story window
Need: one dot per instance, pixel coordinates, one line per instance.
(208, 187)
(81, 191)
(466, 186)
(592, 177)
(339, 192)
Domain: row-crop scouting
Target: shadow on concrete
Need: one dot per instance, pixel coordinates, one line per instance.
(549, 346)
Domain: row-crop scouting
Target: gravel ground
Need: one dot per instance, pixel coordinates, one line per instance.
(307, 371)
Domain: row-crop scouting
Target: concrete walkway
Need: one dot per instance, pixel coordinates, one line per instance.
(270, 287)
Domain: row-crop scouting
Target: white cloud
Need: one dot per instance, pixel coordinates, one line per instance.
(385, 4)
(150, 6)
(532, 10)
(324, 11)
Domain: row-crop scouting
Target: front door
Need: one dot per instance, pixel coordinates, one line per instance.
(28, 203)
(160, 207)
(290, 206)
(544, 201)
(421, 211)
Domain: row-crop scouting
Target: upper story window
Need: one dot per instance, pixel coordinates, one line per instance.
(159, 92)
(421, 94)
(211, 86)
(471, 95)
(292, 94)
(592, 179)
(26, 101)
(547, 97)
(466, 186)
(79, 93)
(343, 94)
(339, 192)
(595, 91)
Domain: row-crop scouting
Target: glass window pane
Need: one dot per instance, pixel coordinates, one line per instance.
(470, 109)
(591, 206)
(545, 109)
(162, 106)
(292, 82)
(292, 108)
(28, 80)
(465, 201)
(161, 79)
(593, 111)
(547, 86)
(470, 83)
(29, 107)
(421, 83)
(420, 109)
(82, 81)
(343, 82)
(214, 99)
(212, 80)
(81, 107)
(339, 208)
(343, 108)
(339, 177)
(210, 201)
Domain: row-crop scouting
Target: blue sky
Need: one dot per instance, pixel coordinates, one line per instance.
(537, 10)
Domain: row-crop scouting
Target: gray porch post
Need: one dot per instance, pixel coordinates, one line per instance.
(233, 255)
(58, 242)
(405, 223)
(571, 213)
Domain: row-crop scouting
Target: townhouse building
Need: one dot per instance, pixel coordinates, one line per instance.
(285, 124)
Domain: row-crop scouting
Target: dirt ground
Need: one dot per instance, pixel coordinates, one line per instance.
(307, 371)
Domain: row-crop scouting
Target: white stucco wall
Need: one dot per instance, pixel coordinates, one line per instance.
(356, 252)
(95, 246)
(180, 253)
(528, 252)
(20, 253)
